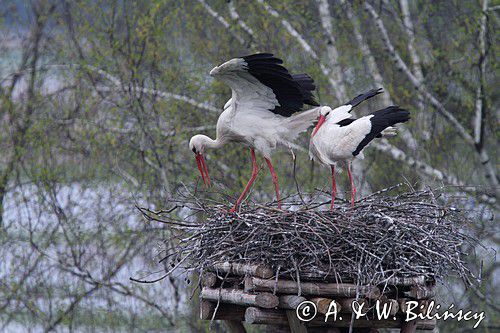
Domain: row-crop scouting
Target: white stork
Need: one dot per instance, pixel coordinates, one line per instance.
(338, 137)
(261, 112)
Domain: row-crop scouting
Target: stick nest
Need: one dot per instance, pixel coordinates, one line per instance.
(382, 237)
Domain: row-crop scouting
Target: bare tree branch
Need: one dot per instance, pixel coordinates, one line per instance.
(479, 120)
(302, 42)
(490, 170)
(222, 21)
(374, 70)
(429, 171)
(409, 28)
(233, 13)
(333, 54)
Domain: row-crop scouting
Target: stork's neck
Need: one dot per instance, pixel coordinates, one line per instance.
(211, 143)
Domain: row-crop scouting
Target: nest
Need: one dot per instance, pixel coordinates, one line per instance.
(381, 238)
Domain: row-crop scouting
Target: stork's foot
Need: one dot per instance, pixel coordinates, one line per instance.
(233, 210)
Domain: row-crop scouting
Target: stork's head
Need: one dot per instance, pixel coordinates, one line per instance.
(228, 67)
(197, 145)
(324, 111)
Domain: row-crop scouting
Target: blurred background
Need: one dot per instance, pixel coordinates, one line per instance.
(98, 100)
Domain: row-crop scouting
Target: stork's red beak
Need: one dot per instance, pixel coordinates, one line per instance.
(202, 167)
(321, 121)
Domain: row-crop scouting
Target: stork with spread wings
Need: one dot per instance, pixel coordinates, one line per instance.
(262, 113)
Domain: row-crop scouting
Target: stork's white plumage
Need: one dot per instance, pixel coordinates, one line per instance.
(261, 112)
(339, 137)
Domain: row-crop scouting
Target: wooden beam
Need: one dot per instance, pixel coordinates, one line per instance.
(421, 292)
(407, 281)
(390, 303)
(296, 326)
(346, 304)
(409, 327)
(311, 288)
(224, 311)
(234, 326)
(208, 279)
(261, 271)
(255, 315)
(323, 304)
(239, 297)
(290, 302)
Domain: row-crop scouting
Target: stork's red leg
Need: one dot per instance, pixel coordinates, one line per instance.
(353, 188)
(255, 171)
(334, 187)
(275, 182)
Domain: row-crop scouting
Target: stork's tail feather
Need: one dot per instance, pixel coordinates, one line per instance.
(390, 116)
(362, 97)
(381, 124)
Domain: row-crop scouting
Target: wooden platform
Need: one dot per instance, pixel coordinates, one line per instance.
(249, 294)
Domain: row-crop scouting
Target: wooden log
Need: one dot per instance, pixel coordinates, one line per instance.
(296, 326)
(407, 281)
(206, 309)
(311, 288)
(426, 325)
(261, 271)
(255, 315)
(392, 304)
(276, 317)
(324, 330)
(239, 297)
(224, 311)
(422, 305)
(208, 279)
(403, 307)
(421, 292)
(323, 304)
(368, 323)
(290, 301)
(409, 327)
(274, 329)
(234, 326)
(346, 304)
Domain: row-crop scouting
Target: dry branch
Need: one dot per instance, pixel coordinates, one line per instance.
(382, 241)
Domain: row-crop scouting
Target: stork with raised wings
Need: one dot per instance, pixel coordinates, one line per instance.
(338, 137)
(262, 113)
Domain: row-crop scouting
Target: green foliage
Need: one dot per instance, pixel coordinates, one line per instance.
(102, 113)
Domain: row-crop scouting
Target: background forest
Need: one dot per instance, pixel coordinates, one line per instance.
(98, 100)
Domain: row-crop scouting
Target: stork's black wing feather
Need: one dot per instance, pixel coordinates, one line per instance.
(346, 122)
(380, 121)
(307, 86)
(291, 91)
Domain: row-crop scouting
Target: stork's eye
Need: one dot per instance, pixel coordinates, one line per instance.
(194, 150)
